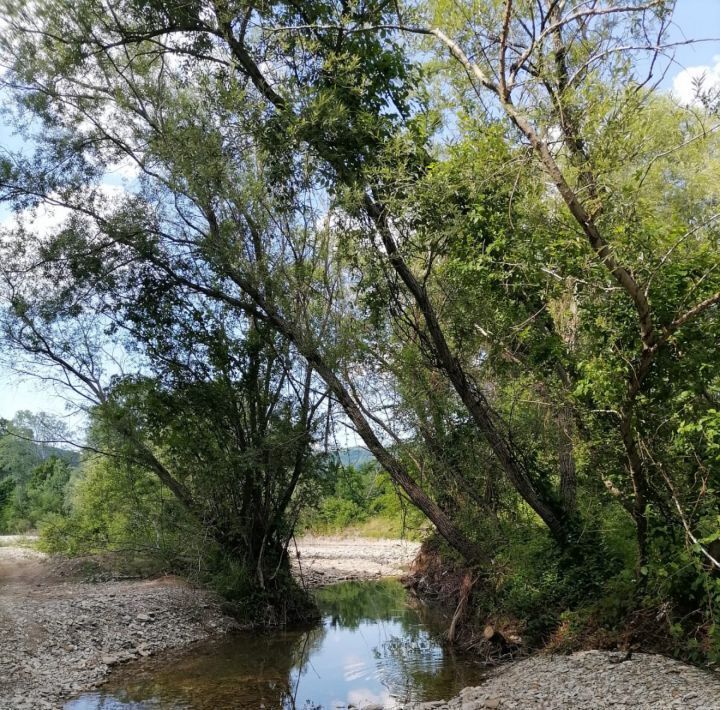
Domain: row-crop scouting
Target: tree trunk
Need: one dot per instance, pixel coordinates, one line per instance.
(474, 400)
(636, 472)
(566, 457)
(454, 536)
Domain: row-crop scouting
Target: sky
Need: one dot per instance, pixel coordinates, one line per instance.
(694, 19)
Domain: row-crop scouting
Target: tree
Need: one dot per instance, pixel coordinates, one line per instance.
(560, 68)
(46, 489)
(229, 207)
(33, 474)
(229, 431)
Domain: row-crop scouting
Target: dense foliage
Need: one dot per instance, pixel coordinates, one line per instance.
(34, 477)
(472, 233)
(361, 500)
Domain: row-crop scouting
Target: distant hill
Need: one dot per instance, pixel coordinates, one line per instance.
(354, 456)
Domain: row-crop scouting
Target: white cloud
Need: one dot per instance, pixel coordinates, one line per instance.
(42, 219)
(126, 169)
(685, 84)
(361, 697)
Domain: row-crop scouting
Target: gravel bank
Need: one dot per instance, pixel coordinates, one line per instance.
(326, 560)
(591, 681)
(59, 637)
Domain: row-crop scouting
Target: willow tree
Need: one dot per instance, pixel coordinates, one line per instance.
(227, 202)
(325, 112)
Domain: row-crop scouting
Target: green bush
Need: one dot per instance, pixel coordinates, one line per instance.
(115, 508)
(26, 503)
(110, 507)
(533, 583)
(337, 513)
(280, 601)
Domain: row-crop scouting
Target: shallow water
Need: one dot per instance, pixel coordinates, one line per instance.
(373, 645)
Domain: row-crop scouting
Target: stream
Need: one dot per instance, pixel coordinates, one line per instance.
(373, 645)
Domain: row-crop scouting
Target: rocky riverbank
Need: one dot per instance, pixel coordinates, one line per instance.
(591, 680)
(60, 636)
(318, 561)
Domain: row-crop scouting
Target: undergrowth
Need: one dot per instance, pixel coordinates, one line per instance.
(527, 588)
(128, 527)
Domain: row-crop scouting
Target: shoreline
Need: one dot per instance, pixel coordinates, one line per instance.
(62, 637)
(589, 680)
(328, 559)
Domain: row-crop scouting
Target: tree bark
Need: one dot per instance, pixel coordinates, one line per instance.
(566, 458)
(636, 472)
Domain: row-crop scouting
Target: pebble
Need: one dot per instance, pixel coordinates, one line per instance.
(326, 560)
(590, 680)
(65, 638)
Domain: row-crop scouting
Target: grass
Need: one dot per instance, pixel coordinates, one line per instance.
(29, 541)
(376, 528)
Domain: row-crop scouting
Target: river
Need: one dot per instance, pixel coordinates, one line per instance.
(373, 645)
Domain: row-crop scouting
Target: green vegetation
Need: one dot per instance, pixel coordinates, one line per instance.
(127, 516)
(33, 477)
(498, 268)
(362, 500)
(351, 603)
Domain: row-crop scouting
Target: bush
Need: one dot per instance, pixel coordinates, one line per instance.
(362, 499)
(112, 507)
(26, 504)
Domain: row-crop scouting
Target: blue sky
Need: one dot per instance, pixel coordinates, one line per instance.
(694, 19)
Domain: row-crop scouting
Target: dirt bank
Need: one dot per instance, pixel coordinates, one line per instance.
(60, 636)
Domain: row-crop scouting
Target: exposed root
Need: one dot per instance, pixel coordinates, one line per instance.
(461, 610)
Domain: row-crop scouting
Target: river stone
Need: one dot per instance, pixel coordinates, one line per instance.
(65, 639)
(591, 680)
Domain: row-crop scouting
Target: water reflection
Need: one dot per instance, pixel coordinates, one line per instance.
(372, 646)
